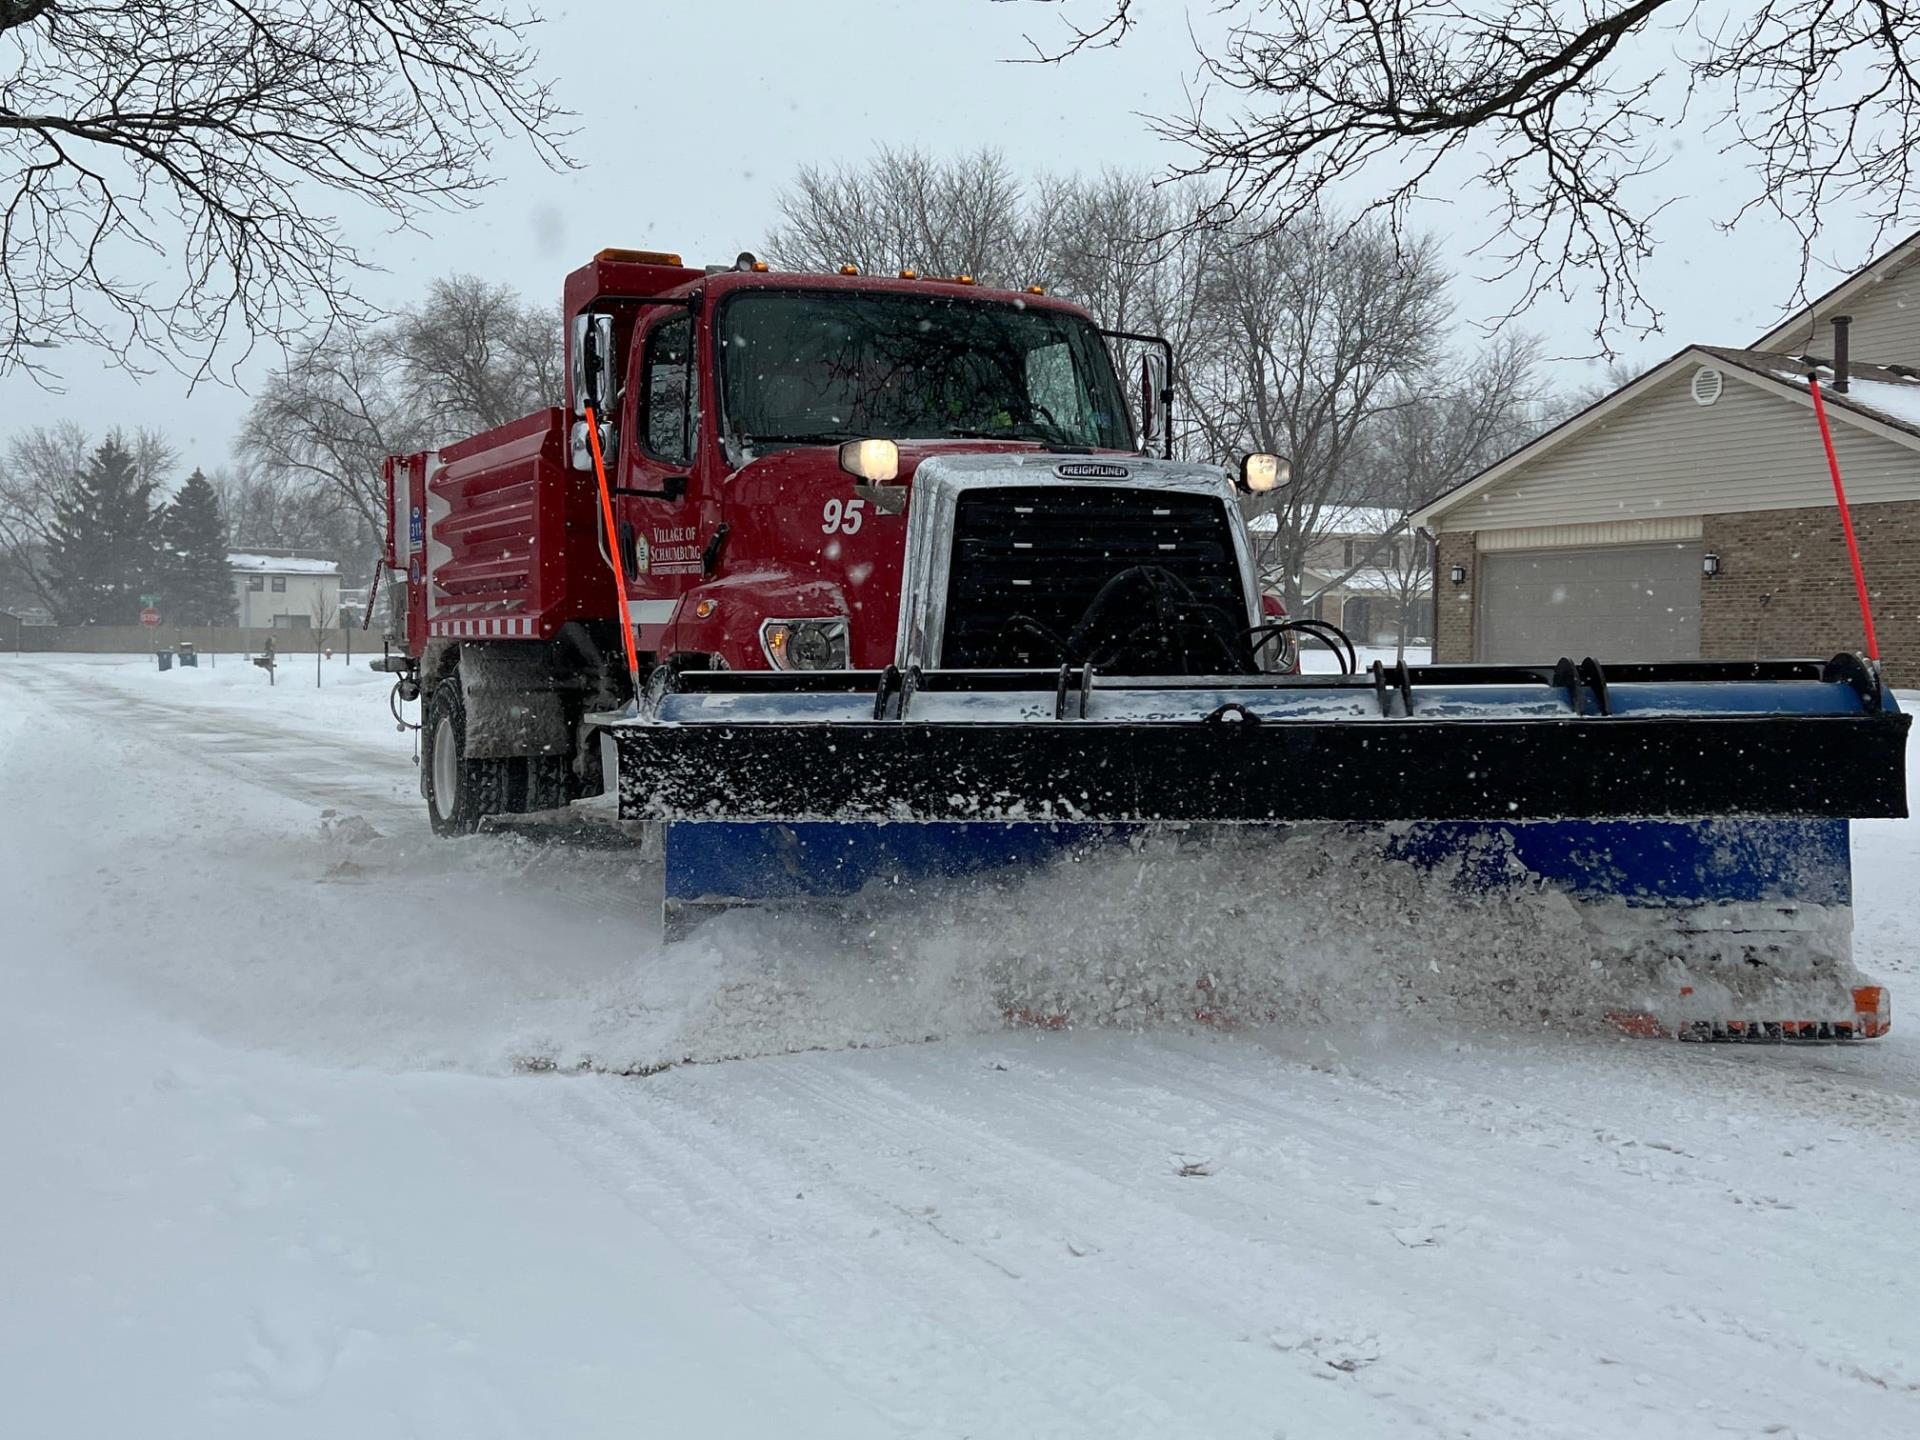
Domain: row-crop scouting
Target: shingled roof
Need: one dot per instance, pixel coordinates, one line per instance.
(1883, 400)
(1889, 394)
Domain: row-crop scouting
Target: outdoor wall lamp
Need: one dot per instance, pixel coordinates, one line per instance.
(1710, 564)
(1458, 574)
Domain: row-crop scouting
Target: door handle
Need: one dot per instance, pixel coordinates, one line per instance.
(672, 487)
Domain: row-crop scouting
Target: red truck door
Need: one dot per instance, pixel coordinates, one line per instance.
(661, 515)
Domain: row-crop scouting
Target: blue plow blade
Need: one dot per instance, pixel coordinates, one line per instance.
(1730, 929)
(1648, 862)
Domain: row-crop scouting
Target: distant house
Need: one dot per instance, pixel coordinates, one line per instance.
(283, 589)
(1690, 514)
(1375, 588)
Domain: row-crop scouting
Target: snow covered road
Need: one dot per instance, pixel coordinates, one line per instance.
(272, 1170)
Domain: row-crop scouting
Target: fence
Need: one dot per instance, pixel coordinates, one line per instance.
(208, 640)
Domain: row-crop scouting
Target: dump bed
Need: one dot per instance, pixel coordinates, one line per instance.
(495, 536)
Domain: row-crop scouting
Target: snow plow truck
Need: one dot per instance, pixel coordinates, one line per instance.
(848, 580)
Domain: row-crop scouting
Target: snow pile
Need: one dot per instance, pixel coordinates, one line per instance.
(282, 564)
(545, 956)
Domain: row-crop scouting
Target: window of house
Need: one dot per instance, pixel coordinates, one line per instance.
(667, 391)
(256, 582)
(1347, 554)
(279, 584)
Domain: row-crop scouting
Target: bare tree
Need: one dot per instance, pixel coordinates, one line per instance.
(1401, 572)
(1613, 377)
(321, 612)
(1122, 246)
(1114, 244)
(905, 209)
(1563, 111)
(474, 355)
(327, 419)
(41, 469)
(1314, 332)
(271, 508)
(468, 357)
(1465, 415)
(201, 133)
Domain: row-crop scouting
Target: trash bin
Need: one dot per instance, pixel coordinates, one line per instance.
(188, 659)
(166, 659)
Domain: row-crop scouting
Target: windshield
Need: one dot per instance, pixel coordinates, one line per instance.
(800, 368)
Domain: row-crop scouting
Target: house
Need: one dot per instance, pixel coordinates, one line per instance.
(1367, 572)
(1691, 514)
(284, 589)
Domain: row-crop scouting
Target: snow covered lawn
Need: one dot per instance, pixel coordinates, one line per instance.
(275, 1165)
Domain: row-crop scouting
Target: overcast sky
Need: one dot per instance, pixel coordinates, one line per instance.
(694, 113)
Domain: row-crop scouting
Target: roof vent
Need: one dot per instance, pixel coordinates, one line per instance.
(1707, 383)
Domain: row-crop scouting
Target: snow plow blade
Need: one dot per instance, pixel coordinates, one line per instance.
(1447, 742)
(1678, 830)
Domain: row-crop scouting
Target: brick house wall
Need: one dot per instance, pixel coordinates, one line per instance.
(1785, 586)
(1453, 639)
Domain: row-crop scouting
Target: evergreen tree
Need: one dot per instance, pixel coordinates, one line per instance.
(197, 584)
(103, 552)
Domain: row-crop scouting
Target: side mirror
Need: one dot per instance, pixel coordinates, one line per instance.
(593, 377)
(593, 384)
(581, 444)
(1154, 419)
(1261, 474)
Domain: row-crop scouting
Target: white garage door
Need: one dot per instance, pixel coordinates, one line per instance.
(1618, 602)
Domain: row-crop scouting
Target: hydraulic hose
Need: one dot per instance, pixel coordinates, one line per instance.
(1325, 631)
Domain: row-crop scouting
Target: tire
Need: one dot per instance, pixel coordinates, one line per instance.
(547, 782)
(460, 792)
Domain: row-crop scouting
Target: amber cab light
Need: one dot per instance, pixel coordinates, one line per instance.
(640, 257)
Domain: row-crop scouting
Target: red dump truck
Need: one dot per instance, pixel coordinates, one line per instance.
(736, 408)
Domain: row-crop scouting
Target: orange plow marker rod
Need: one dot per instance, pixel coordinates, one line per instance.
(1846, 520)
(613, 550)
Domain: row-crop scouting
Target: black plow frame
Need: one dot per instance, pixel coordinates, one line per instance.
(1687, 758)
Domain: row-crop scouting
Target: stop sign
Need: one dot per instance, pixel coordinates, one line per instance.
(149, 616)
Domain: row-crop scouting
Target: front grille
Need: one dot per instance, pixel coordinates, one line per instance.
(1027, 562)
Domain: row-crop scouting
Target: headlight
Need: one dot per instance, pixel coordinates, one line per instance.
(875, 461)
(806, 644)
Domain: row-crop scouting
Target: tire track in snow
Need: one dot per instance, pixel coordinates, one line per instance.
(849, 1270)
(1173, 1270)
(1165, 1359)
(326, 772)
(1787, 1221)
(1318, 1226)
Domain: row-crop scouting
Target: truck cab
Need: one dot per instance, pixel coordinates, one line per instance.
(800, 472)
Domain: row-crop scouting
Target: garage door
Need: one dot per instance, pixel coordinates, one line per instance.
(1620, 602)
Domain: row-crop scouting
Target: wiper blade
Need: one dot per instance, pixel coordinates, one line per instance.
(815, 437)
(1058, 443)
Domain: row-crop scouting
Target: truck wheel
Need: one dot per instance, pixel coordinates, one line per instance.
(459, 791)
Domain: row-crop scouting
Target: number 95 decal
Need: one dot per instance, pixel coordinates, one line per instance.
(843, 516)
